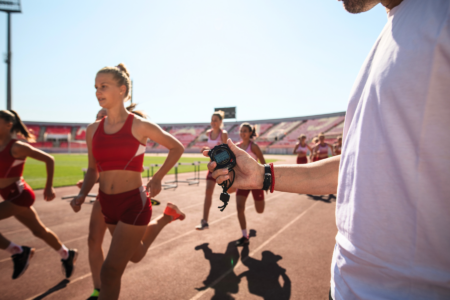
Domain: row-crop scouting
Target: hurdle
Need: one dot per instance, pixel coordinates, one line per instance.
(188, 181)
(165, 186)
(197, 171)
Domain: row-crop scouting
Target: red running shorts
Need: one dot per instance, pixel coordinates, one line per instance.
(18, 193)
(258, 195)
(132, 207)
(302, 160)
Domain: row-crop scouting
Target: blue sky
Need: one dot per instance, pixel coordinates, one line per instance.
(271, 59)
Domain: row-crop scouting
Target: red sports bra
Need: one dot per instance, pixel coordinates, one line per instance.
(10, 166)
(117, 151)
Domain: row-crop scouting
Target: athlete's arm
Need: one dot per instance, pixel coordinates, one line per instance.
(313, 153)
(295, 148)
(258, 152)
(310, 150)
(22, 150)
(224, 136)
(91, 175)
(152, 131)
(317, 178)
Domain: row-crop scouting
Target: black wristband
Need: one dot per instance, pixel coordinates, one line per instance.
(267, 178)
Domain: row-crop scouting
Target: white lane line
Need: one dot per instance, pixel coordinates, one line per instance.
(168, 241)
(72, 281)
(200, 294)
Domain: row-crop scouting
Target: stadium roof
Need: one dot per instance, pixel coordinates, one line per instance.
(203, 123)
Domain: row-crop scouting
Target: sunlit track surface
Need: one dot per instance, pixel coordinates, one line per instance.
(289, 258)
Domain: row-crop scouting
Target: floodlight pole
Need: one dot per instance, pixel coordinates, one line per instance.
(8, 65)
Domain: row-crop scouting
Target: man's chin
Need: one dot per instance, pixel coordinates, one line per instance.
(359, 6)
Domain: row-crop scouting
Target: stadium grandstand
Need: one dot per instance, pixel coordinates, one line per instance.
(275, 136)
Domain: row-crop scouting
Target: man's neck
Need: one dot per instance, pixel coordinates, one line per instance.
(390, 4)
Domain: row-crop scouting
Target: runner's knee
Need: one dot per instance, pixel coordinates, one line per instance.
(110, 274)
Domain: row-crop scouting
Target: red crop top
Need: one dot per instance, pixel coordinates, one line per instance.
(117, 151)
(10, 166)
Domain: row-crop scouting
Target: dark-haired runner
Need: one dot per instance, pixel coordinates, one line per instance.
(247, 133)
(19, 197)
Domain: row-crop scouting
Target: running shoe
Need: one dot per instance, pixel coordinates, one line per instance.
(155, 202)
(173, 211)
(203, 225)
(94, 295)
(21, 261)
(68, 265)
(242, 241)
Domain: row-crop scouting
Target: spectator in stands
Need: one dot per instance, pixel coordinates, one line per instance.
(320, 150)
(337, 146)
(393, 207)
(216, 136)
(19, 197)
(248, 133)
(301, 149)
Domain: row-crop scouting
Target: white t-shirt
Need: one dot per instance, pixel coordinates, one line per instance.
(393, 204)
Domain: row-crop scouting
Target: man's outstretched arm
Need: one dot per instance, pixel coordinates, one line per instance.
(316, 178)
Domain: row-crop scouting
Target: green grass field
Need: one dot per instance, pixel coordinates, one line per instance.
(68, 168)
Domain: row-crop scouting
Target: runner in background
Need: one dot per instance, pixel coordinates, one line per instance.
(313, 156)
(337, 146)
(321, 148)
(19, 197)
(216, 136)
(247, 133)
(301, 149)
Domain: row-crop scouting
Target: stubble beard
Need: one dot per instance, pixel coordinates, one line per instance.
(359, 6)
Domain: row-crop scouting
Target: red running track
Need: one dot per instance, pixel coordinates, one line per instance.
(289, 258)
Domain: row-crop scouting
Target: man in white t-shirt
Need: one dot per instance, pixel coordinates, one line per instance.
(393, 177)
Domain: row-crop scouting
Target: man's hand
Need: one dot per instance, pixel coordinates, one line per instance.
(249, 173)
(76, 202)
(154, 187)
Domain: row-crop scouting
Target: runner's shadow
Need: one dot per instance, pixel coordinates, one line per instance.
(264, 276)
(221, 278)
(59, 286)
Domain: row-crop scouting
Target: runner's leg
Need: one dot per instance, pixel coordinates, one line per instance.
(208, 198)
(97, 229)
(30, 219)
(126, 238)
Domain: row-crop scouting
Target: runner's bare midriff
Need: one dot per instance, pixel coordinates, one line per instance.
(4, 182)
(116, 182)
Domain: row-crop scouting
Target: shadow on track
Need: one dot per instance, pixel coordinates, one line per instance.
(263, 276)
(59, 286)
(221, 278)
(326, 199)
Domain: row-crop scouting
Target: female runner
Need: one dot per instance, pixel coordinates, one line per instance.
(116, 147)
(321, 149)
(247, 132)
(313, 154)
(97, 225)
(301, 149)
(216, 136)
(19, 197)
(337, 146)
